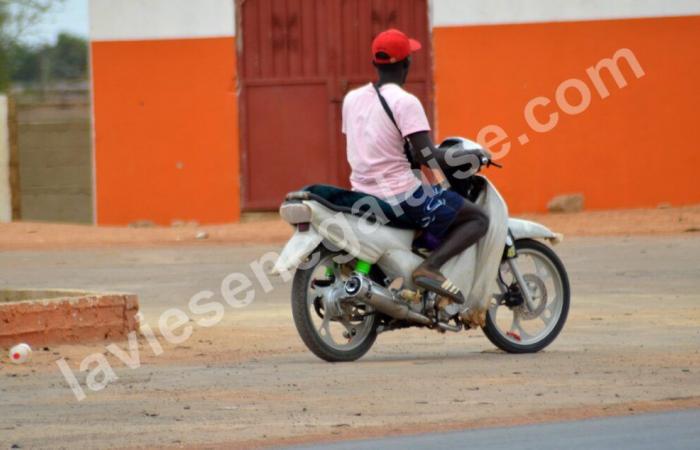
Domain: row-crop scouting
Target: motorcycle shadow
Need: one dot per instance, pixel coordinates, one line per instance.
(423, 358)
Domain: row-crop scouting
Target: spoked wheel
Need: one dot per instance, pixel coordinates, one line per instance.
(332, 330)
(513, 326)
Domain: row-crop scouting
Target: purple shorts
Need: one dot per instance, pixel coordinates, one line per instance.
(433, 212)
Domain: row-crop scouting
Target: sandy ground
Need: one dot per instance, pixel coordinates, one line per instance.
(632, 344)
(267, 228)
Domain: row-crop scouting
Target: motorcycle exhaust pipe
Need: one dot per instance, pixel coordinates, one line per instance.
(381, 299)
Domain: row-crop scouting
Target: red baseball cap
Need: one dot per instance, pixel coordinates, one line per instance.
(395, 44)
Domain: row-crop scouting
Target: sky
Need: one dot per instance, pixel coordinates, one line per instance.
(69, 15)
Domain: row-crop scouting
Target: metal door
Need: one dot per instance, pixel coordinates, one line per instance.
(297, 59)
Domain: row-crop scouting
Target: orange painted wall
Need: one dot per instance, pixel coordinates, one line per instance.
(166, 131)
(636, 148)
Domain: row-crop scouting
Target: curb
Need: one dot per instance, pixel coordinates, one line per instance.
(56, 316)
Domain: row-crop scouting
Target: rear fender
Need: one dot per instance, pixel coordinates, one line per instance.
(297, 250)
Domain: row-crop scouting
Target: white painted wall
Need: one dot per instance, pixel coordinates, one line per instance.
(5, 193)
(124, 20)
(116, 20)
(484, 12)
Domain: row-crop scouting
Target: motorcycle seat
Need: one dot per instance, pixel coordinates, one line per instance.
(360, 204)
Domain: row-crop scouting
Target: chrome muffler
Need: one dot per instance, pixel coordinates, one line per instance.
(382, 299)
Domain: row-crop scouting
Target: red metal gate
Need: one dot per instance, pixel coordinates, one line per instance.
(297, 59)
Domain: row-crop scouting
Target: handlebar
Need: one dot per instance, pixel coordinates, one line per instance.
(464, 148)
(490, 163)
(487, 161)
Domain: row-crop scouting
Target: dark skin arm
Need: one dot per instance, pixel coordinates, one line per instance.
(420, 141)
(448, 161)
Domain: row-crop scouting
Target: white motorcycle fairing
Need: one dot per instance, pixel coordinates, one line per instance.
(521, 229)
(298, 248)
(473, 271)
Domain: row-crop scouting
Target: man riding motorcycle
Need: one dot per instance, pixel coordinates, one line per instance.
(387, 134)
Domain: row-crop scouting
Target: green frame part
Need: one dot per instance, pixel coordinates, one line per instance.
(363, 267)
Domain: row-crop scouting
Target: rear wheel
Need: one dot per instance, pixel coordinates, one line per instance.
(334, 331)
(515, 328)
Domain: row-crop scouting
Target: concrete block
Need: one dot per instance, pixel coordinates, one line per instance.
(566, 203)
(43, 317)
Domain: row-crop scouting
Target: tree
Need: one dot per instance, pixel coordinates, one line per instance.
(21, 15)
(65, 60)
(16, 18)
(68, 58)
(4, 59)
(24, 63)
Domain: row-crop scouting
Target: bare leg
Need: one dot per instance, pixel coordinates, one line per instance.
(470, 225)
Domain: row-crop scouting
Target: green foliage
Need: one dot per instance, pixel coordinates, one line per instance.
(21, 15)
(24, 63)
(4, 59)
(67, 59)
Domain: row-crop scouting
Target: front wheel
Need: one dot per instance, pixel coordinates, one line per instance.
(333, 330)
(515, 328)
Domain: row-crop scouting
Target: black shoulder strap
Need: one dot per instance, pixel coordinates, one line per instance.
(385, 105)
(406, 142)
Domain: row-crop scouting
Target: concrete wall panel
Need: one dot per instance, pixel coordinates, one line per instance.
(5, 191)
(55, 155)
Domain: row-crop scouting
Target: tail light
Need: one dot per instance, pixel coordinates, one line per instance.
(295, 213)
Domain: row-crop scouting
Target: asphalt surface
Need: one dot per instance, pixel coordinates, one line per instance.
(670, 431)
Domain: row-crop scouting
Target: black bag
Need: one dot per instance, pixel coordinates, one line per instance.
(407, 148)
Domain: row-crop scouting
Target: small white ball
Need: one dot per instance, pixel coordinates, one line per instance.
(20, 353)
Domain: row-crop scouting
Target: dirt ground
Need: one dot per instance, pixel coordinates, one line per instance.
(267, 228)
(632, 344)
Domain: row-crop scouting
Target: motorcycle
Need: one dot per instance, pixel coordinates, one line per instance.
(353, 256)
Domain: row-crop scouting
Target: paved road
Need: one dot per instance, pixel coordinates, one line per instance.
(673, 430)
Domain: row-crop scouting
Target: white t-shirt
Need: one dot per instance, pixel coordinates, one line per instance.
(374, 145)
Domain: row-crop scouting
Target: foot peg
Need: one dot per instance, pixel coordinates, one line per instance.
(443, 287)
